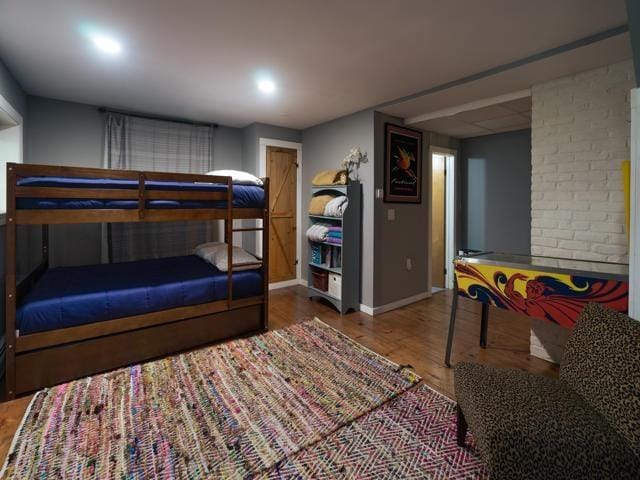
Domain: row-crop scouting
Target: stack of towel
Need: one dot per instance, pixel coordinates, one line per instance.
(318, 232)
(334, 235)
(328, 205)
(336, 207)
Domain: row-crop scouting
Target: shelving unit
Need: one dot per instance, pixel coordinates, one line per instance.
(349, 271)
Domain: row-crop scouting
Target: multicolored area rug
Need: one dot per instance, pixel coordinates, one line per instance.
(412, 436)
(234, 410)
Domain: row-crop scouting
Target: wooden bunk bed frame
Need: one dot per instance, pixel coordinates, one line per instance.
(47, 358)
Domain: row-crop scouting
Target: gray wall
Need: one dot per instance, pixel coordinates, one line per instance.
(324, 147)
(496, 192)
(11, 90)
(66, 133)
(251, 136)
(402, 238)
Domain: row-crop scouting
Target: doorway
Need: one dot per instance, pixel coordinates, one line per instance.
(442, 218)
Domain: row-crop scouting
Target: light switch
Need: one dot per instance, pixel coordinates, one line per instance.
(391, 214)
(379, 193)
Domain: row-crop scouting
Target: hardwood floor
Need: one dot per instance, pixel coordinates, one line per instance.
(413, 335)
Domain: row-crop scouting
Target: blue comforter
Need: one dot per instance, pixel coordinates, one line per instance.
(71, 296)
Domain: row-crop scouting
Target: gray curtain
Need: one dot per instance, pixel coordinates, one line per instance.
(134, 143)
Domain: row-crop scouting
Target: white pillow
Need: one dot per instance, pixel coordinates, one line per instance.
(239, 256)
(206, 250)
(238, 177)
(216, 254)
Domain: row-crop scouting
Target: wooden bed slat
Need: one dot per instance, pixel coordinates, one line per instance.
(86, 193)
(184, 195)
(30, 170)
(62, 216)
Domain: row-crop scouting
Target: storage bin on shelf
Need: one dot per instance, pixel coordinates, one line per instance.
(320, 279)
(316, 253)
(335, 285)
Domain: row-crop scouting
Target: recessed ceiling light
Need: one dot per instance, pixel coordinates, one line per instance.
(106, 44)
(266, 86)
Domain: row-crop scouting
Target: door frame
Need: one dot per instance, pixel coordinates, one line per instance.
(11, 116)
(450, 210)
(262, 171)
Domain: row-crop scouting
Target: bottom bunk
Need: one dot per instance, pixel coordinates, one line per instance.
(77, 321)
(70, 296)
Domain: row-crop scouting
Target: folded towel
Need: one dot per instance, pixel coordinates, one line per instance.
(334, 234)
(318, 232)
(318, 204)
(335, 228)
(334, 241)
(336, 206)
(330, 177)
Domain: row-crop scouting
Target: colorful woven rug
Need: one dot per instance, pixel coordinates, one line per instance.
(229, 411)
(412, 436)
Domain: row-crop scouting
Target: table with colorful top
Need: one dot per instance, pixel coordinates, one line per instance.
(550, 289)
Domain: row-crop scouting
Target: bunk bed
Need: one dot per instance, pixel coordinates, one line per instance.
(69, 322)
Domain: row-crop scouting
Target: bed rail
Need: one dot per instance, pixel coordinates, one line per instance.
(142, 191)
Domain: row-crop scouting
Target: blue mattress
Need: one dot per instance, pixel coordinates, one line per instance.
(71, 296)
(244, 196)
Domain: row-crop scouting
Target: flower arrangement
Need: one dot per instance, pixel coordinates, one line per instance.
(352, 162)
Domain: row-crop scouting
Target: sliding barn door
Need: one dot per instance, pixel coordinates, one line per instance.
(282, 164)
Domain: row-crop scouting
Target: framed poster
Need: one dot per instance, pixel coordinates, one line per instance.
(403, 165)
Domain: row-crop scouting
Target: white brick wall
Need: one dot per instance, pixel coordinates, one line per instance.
(579, 136)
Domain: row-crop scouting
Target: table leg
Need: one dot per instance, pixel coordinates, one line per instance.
(452, 323)
(484, 325)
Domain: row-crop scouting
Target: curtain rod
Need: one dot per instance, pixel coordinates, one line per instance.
(156, 117)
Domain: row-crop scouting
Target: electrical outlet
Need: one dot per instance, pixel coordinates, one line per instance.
(409, 264)
(391, 214)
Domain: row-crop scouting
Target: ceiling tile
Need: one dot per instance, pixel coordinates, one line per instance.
(485, 113)
(519, 105)
(504, 122)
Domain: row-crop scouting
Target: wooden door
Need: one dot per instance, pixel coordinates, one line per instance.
(282, 164)
(438, 220)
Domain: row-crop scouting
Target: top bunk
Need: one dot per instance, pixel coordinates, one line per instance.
(43, 194)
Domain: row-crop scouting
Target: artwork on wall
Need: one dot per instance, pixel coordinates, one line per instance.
(403, 165)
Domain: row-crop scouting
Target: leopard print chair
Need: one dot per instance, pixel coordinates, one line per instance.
(584, 425)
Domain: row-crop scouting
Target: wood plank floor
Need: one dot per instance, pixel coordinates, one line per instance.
(413, 335)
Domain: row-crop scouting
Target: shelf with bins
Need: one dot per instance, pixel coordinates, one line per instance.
(341, 278)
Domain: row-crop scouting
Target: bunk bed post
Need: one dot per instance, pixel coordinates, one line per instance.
(229, 241)
(45, 245)
(10, 285)
(141, 195)
(265, 253)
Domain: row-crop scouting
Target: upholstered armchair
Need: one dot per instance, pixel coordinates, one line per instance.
(586, 424)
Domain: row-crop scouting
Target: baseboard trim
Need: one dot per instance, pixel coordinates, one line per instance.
(394, 305)
(287, 283)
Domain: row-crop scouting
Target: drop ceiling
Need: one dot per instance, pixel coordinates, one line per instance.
(199, 59)
(498, 118)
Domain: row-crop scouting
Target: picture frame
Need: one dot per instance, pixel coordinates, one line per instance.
(403, 164)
